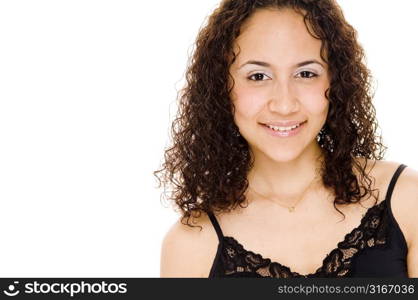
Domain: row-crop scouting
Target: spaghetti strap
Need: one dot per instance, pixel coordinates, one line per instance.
(216, 226)
(393, 182)
(397, 233)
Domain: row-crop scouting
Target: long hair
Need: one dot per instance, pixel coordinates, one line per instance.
(207, 164)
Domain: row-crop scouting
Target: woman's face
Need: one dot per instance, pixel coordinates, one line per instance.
(279, 78)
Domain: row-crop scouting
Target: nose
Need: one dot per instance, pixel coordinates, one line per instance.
(282, 100)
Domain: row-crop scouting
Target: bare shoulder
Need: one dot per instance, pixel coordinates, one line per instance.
(404, 199)
(188, 251)
(404, 203)
(405, 192)
(381, 172)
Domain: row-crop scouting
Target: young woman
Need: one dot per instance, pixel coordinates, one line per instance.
(276, 166)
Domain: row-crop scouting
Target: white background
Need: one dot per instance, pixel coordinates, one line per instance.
(87, 92)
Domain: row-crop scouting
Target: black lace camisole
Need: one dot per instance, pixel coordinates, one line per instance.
(376, 248)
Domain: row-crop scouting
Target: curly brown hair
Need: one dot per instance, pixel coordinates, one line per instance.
(208, 162)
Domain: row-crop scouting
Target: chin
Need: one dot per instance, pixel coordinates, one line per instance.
(283, 156)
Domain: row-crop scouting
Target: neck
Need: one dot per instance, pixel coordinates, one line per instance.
(285, 181)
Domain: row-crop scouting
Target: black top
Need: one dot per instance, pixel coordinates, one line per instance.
(376, 248)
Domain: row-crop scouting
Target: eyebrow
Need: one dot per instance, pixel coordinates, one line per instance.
(265, 64)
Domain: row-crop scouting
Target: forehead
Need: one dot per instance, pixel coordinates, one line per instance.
(277, 36)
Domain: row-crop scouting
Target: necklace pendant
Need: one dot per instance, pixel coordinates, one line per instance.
(291, 209)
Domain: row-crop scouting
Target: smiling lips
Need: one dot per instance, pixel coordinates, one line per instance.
(284, 126)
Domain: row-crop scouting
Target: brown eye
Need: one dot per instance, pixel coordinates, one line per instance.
(257, 77)
(307, 74)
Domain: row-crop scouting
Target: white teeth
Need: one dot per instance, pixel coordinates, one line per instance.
(278, 128)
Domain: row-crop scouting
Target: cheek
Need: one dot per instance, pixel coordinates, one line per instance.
(314, 100)
(248, 102)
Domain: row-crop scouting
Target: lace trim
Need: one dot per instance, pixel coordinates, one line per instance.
(372, 232)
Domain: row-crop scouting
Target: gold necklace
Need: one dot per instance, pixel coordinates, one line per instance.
(290, 208)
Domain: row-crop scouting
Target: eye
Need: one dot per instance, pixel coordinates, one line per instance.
(258, 77)
(307, 74)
